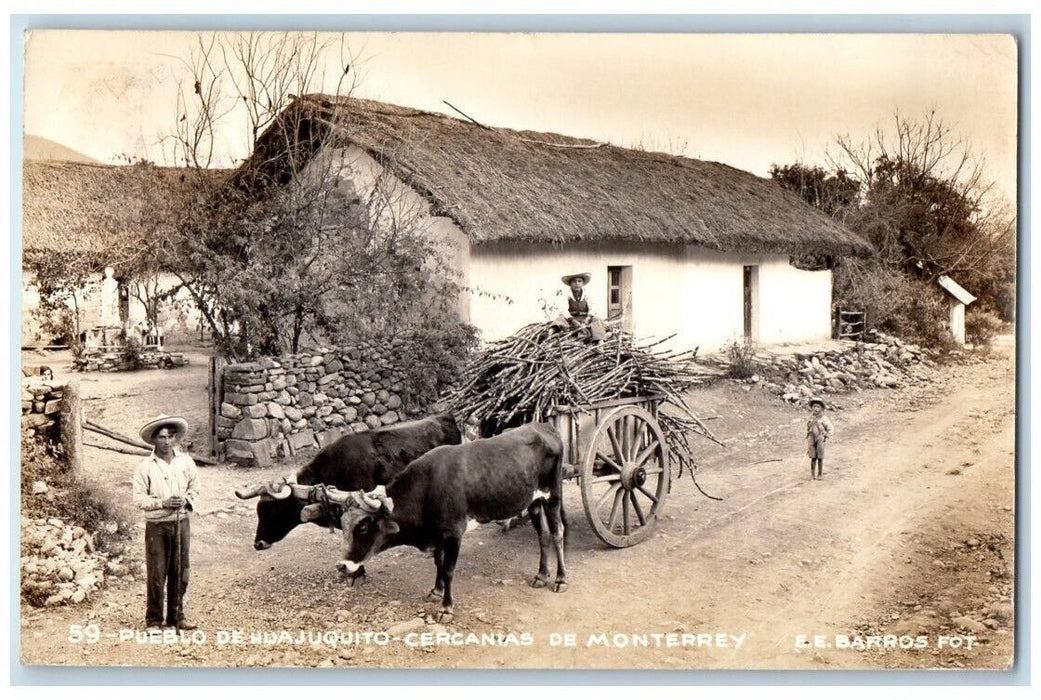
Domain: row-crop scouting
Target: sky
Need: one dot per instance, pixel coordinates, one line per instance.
(748, 100)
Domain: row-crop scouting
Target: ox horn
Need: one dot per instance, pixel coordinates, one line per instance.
(287, 487)
(251, 491)
(337, 496)
(280, 490)
(300, 491)
(380, 492)
(377, 498)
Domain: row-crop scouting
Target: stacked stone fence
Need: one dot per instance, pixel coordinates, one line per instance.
(273, 408)
(51, 413)
(59, 562)
(41, 408)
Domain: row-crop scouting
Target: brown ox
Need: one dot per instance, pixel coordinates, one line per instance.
(428, 505)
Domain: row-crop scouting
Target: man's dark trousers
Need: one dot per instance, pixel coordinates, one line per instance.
(161, 566)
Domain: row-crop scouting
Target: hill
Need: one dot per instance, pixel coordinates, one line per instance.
(39, 148)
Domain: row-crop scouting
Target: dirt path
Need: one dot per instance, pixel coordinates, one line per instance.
(911, 529)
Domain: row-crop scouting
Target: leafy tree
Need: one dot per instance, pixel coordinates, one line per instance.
(920, 196)
(63, 280)
(927, 204)
(834, 193)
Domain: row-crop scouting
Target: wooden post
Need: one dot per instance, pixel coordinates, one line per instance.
(71, 416)
(216, 387)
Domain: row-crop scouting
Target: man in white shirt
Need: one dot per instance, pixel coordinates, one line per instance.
(166, 488)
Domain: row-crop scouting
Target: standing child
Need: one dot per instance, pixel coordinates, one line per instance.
(818, 430)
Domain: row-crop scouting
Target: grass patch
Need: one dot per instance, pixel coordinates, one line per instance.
(72, 498)
(741, 358)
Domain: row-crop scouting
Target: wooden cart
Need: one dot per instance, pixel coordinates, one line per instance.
(618, 453)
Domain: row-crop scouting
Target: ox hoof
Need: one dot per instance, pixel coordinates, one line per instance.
(435, 596)
(356, 579)
(560, 586)
(445, 616)
(539, 582)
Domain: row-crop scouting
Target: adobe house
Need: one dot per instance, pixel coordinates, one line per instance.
(676, 247)
(98, 213)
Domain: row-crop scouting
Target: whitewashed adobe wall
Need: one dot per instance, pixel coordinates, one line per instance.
(795, 305)
(687, 290)
(692, 292)
(360, 172)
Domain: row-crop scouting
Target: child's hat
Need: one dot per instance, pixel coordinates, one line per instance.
(817, 399)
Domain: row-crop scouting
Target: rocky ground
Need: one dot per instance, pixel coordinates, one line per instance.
(880, 361)
(59, 563)
(910, 535)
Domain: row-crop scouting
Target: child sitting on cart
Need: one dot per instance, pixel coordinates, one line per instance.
(578, 309)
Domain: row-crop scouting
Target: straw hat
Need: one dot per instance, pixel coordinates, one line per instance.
(150, 428)
(584, 276)
(816, 399)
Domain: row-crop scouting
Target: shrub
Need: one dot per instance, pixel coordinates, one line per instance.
(434, 359)
(95, 508)
(131, 353)
(77, 499)
(740, 355)
(981, 326)
(895, 303)
(40, 462)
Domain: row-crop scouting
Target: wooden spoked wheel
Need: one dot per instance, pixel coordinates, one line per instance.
(625, 476)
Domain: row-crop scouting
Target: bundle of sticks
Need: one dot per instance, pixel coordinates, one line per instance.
(521, 378)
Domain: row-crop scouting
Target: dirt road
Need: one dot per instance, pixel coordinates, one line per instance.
(910, 534)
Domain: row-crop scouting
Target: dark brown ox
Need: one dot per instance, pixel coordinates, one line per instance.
(357, 461)
(429, 504)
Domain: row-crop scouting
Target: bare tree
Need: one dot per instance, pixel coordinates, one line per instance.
(299, 241)
(920, 195)
(926, 201)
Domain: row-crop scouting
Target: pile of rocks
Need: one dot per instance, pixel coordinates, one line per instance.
(59, 564)
(41, 404)
(272, 408)
(882, 361)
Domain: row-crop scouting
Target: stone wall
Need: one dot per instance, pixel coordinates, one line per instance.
(41, 405)
(276, 407)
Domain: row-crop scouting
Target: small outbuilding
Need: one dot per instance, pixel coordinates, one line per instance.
(957, 299)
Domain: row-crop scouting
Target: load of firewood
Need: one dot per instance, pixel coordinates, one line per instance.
(523, 377)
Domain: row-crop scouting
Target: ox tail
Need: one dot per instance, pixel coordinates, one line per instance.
(563, 521)
(559, 480)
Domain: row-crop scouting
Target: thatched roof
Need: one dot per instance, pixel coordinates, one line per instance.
(86, 207)
(505, 185)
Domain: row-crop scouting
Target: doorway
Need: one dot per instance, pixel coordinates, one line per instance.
(751, 302)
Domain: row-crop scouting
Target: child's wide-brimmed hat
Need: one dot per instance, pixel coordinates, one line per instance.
(584, 276)
(152, 427)
(817, 400)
